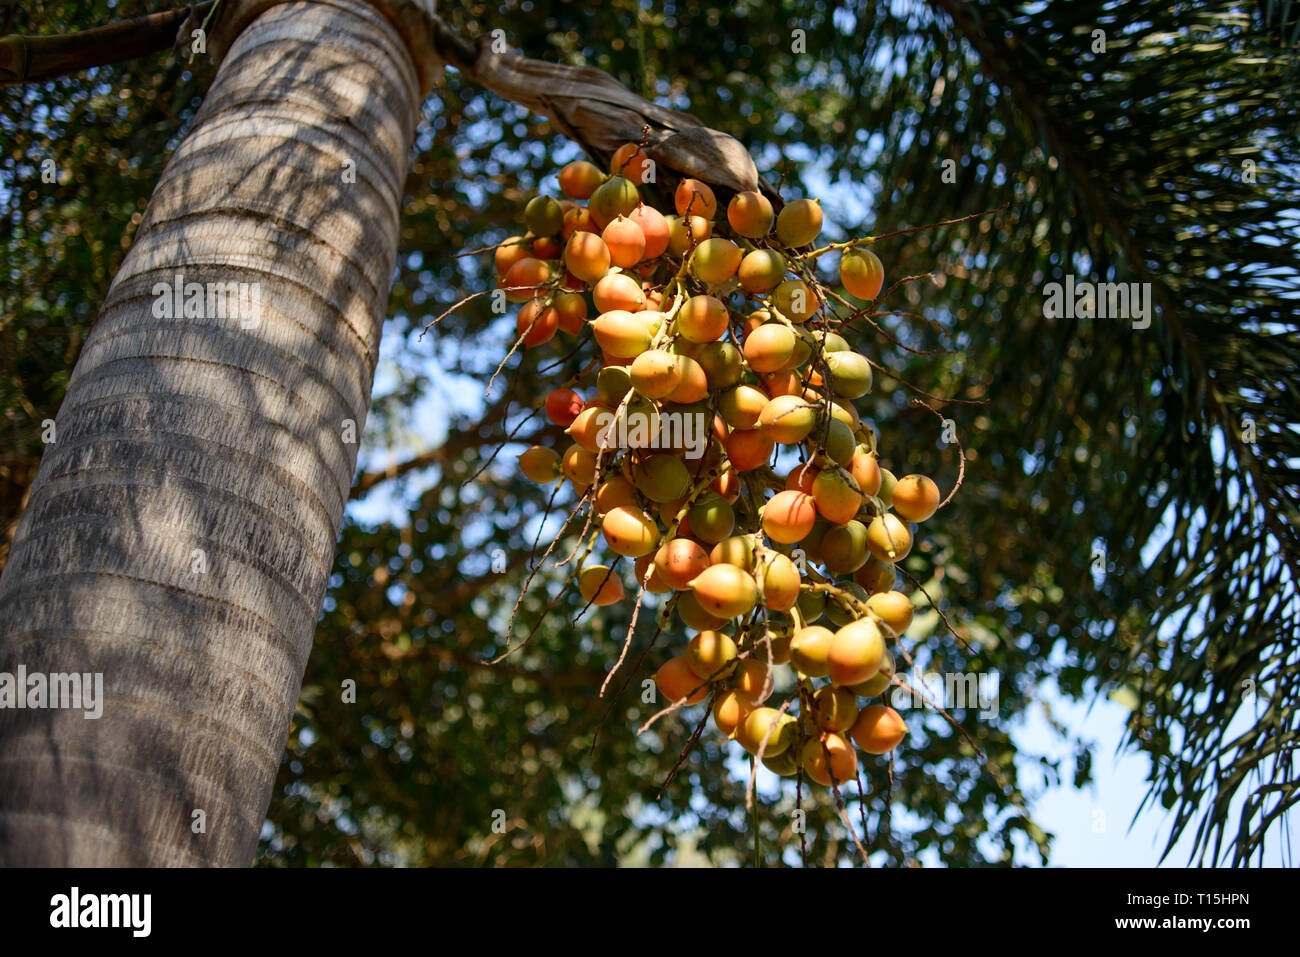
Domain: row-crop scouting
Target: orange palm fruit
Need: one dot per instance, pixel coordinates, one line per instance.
(788, 516)
(696, 196)
(676, 680)
(654, 228)
(630, 531)
(586, 256)
(579, 179)
(748, 449)
(916, 497)
(598, 585)
(750, 214)
(889, 538)
(855, 653)
(830, 760)
(878, 729)
(680, 561)
(862, 273)
(725, 591)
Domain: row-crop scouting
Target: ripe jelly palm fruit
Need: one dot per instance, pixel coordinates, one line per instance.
(802, 476)
(855, 653)
(878, 729)
(625, 241)
(630, 161)
(789, 516)
(809, 648)
(709, 653)
(769, 347)
(750, 214)
(866, 470)
(680, 561)
(830, 760)
(623, 334)
(834, 708)
(796, 300)
(799, 223)
(781, 583)
(915, 497)
(587, 426)
(844, 548)
(715, 260)
(850, 374)
(616, 290)
(711, 518)
(697, 197)
(676, 680)
(748, 449)
(655, 373)
(571, 309)
(579, 465)
(630, 531)
(836, 495)
(730, 709)
(662, 478)
(788, 419)
(540, 464)
(725, 591)
(615, 197)
(524, 279)
(702, 319)
(761, 270)
(878, 682)
(563, 406)
(510, 252)
(586, 256)
(862, 273)
(894, 609)
(614, 491)
(536, 323)
(742, 406)
(579, 179)
(735, 550)
(754, 730)
(889, 538)
(692, 383)
(653, 584)
(685, 232)
(752, 676)
(598, 585)
(654, 227)
(579, 220)
(543, 216)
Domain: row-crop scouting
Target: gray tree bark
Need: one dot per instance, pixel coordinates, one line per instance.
(181, 529)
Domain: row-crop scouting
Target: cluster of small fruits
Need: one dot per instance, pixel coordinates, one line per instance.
(724, 319)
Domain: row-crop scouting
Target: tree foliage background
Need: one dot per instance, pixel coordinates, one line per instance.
(1169, 157)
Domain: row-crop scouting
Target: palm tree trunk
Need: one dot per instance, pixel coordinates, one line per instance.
(181, 529)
